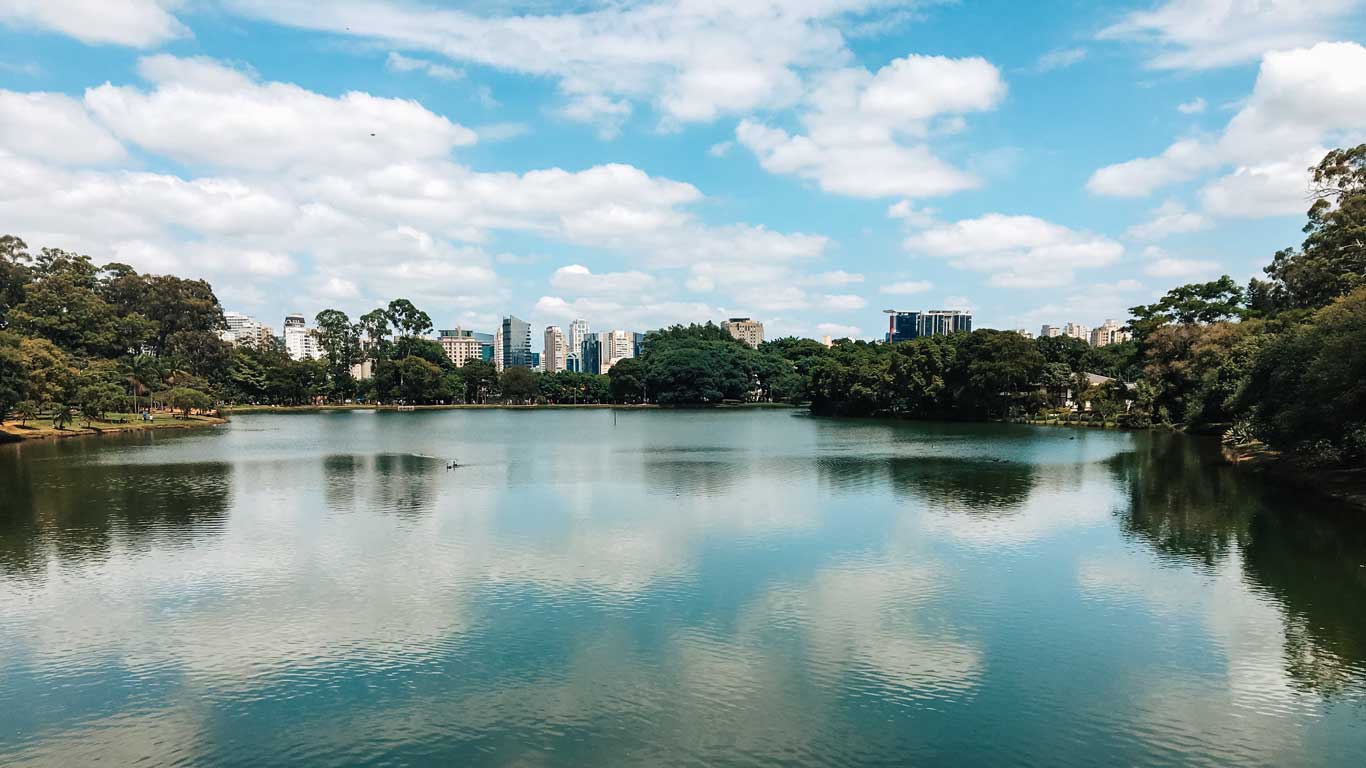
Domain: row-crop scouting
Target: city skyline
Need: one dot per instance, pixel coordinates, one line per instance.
(855, 155)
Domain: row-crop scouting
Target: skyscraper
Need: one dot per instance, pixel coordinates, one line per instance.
(516, 343)
(555, 350)
(300, 342)
(745, 329)
(591, 354)
(616, 346)
(498, 349)
(904, 326)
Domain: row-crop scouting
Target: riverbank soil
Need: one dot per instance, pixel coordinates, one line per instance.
(1347, 485)
(43, 429)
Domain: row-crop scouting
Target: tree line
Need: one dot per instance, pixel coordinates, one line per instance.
(1282, 360)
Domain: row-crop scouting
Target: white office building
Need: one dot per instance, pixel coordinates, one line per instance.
(301, 342)
(616, 345)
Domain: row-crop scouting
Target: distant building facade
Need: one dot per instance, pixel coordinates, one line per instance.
(461, 346)
(1049, 331)
(246, 331)
(616, 346)
(556, 350)
(1109, 332)
(517, 343)
(590, 355)
(1077, 331)
(301, 343)
(745, 329)
(904, 326)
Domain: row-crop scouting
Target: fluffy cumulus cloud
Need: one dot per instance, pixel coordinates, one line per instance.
(691, 60)
(284, 182)
(1161, 264)
(906, 287)
(1204, 34)
(866, 133)
(1170, 218)
(1016, 251)
(202, 112)
(137, 23)
(51, 126)
(1303, 101)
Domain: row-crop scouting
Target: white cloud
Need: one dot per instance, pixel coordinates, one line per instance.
(1170, 218)
(135, 23)
(1160, 264)
(1183, 160)
(693, 61)
(397, 62)
(834, 279)
(1303, 100)
(907, 287)
(1061, 58)
(720, 148)
(578, 279)
(1193, 107)
(842, 302)
(838, 331)
(50, 126)
(207, 114)
(501, 131)
(1016, 251)
(865, 131)
(1204, 34)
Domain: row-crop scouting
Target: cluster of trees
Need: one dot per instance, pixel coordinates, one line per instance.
(1282, 359)
(81, 341)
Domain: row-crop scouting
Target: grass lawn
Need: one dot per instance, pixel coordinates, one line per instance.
(114, 422)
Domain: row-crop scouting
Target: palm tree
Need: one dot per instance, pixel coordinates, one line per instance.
(26, 410)
(62, 416)
(142, 371)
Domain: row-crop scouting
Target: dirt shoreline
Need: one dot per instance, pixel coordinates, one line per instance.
(1347, 486)
(12, 432)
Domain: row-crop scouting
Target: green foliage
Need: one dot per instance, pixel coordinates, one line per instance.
(186, 399)
(1306, 387)
(519, 385)
(1332, 260)
(1210, 302)
(62, 415)
(627, 379)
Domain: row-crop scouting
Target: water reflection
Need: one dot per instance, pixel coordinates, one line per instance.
(743, 589)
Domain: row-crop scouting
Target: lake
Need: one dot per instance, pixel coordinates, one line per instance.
(739, 587)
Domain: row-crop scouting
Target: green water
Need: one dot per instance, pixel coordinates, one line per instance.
(668, 588)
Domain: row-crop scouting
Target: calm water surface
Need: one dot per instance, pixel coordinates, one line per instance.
(710, 588)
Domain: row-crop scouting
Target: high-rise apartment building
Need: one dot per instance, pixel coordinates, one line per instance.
(904, 326)
(745, 329)
(498, 349)
(1049, 331)
(246, 331)
(301, 343)
(517, 343)
(616, 346)
(1077, 331)
(461, 346)
(556, 350)
(1110, 332)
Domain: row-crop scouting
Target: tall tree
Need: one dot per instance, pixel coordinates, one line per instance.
(408, 319)
(340, 343)
(14, 274)
(1332, 260)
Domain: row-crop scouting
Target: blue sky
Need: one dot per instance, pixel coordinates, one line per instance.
(808, 163)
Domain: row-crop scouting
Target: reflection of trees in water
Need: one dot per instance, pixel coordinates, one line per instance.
(973, 484)
(1312, 564)
(403, 483)
(691, 475)
(1188, 505)
(1181, 502)
(74, 510)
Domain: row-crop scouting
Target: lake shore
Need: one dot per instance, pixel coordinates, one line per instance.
(1347, 486)
(42, 429)
(245, 409)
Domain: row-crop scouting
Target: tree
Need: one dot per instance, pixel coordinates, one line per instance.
(201, 353)
(627, 381)
(61, 305)
(1210, 302)
(480, 380)
(13, 373)
(26, 410)
(47, 370)
(340, 343)
(14, 274)
(186, 399)
(1331, 261)
(518, 384)
(408, 319)
(62, 416)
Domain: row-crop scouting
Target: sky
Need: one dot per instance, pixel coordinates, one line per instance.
(807, 163)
